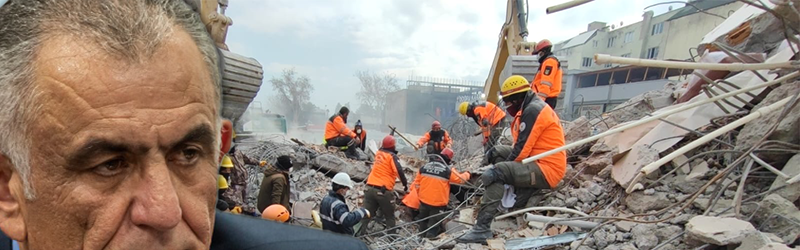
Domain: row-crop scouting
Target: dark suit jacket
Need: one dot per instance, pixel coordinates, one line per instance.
(241, 232)
(238, 232)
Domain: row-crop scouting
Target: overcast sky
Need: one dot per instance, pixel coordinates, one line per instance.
(330, 40)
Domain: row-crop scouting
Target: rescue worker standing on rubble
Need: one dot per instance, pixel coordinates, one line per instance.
(536, 129)
(338, 135)
(437, 139)
(336, 216)
(489, 117)
(380, 184)
(275, 186)
(361, 134)
(433, 186)
(547, 83)
(237, 190)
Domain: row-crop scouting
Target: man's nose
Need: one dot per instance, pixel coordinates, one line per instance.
(156, 203)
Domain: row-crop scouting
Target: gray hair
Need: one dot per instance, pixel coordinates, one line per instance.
(127, 29)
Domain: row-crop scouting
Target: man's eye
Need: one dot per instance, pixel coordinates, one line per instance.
(111, 168)
(187, 156)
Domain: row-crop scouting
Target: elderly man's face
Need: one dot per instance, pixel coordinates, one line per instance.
(123, 155)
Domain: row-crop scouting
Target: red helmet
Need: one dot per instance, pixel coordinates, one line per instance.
(388, 142)
(436, 124)
(448, 152)
(544, 43)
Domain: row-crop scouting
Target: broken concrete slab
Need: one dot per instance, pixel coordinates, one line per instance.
(638, 202)
(666, 232)
(466, 215)
(775, 246)
(643, 236)
(584, 195)
(624, 226)
(698, 171)
(680, 162)
(622, 246)
(596, 163)
(754, 241)
(792, 168)
(577, 130)
(629, 165)
(718, 231)
(788, 129)
(778, 215)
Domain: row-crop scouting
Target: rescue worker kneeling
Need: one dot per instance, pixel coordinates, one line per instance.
(535, 130)
(433, 185)
(338, 135)
(333, 211)
(437, 139)
(489, 117)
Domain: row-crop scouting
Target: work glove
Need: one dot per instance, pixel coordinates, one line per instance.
(358, 141)
(405, 190)
(490, 176)
(262, 163)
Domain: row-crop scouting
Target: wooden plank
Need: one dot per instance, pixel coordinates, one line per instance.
(242, 65)
(243, 71)
(243, 79)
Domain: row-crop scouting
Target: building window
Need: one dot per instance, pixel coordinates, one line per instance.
(657, 29)
(652, 53)
(594, 43)
(628, 37)
(626, 55)
(587, 62)
(611, 41)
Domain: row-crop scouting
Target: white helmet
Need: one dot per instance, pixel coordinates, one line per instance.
(343, 179)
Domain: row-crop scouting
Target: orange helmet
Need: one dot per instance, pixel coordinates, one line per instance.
(544, 43)
(276, 212)
(388, 142)
(436, 124)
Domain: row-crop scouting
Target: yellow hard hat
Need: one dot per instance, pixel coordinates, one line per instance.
(221, 182)
(513, 85)
(236, 210)
(276, 212)
(226, 162)
(462, 108)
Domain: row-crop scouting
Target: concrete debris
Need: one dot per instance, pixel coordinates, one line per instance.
(643, 236)
(624, 226)
(777, 215)
(718, 231)
(638, 202)
(639, 106)
(698, 171)
(594, 165)
(754, 241)
(788, 129)
(775, 246)
(577, 129)
(667, 231)
(792, 168)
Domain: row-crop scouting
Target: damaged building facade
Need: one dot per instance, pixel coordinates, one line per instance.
(591, 89)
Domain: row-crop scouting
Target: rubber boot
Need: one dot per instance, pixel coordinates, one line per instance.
(482, 229)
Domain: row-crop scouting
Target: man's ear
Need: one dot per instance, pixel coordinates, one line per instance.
(11, 197)
(227, 138)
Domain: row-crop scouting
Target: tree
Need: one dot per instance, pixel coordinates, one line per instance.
(293, 90)
(374, 88)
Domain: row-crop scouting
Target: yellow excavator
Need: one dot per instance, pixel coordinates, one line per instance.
(242, 76)
(512, 44)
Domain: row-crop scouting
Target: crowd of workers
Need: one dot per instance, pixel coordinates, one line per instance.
(509, 183)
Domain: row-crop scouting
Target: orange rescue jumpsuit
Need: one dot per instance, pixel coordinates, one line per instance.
(547, 83)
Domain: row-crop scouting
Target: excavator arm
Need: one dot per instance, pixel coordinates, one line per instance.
(511, 42)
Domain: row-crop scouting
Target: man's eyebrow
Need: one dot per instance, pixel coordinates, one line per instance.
(93, 147)
(202, 134)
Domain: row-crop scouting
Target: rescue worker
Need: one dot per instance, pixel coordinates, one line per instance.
(433, 185)
(380, 184)
(489, 117)
(276, 212)
(237, 191)
(275, 185)
(547, 82)
(333, 211)
(222, 185)
(361, 134)
(225, 169)
(536, 129)
(437, 139)
(338, 135)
